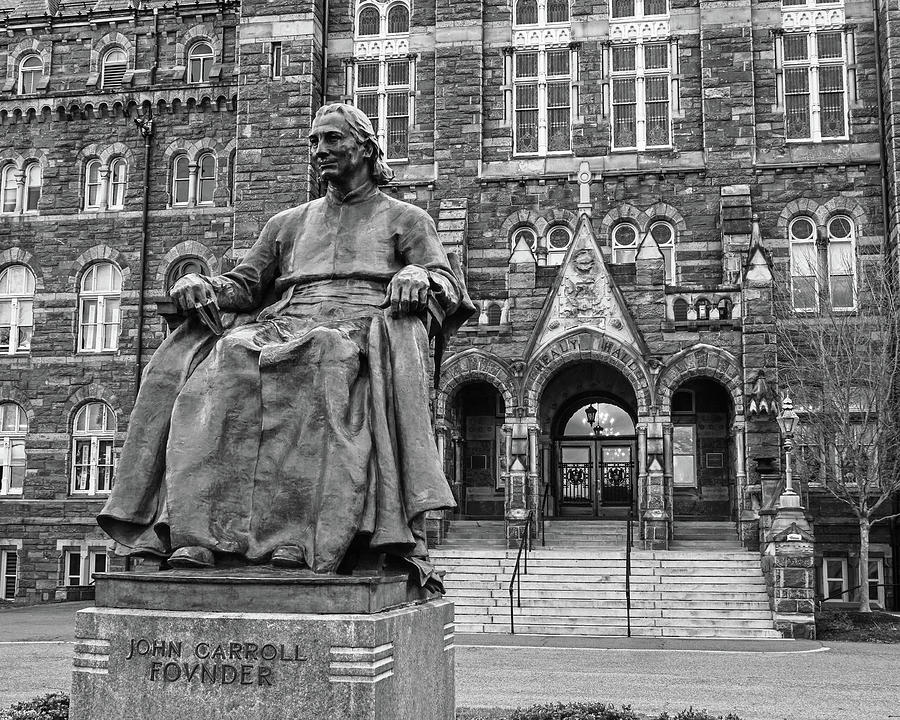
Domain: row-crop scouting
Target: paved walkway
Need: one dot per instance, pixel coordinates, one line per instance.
(757, 680)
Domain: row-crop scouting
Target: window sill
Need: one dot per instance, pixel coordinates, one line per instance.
(539, 155)
(820, 141)
(635, 151)
(16, 355)
(87, 496)
(95, 353)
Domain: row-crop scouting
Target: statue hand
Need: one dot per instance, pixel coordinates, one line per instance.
(408, 291)
(192, 291)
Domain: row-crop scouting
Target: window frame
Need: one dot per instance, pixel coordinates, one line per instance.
(368, 8)
(116, 82)
(826, 578)
(31, 197)
(793, 242)
(555, 255)
(387, 18)
(670, 265)
(616, 246)
(36, 74)
(520, 231)
(813, 64)
(542, 81)
(851, 241)
(173, 274)
(116, 186)
(89, 185)
(205, 61)
(87, 565)
(8, 440)
(8, 554)
(878, 579)
(638, 78)
(638, 5)
(102, 299)
(9, 186)
(382, 92)
(97, 440)
(176, 179)
(17, 301)
(203, 181)
(693, 481)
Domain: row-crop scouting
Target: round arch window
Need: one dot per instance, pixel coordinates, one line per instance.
(527, 234)
(624, 243)
(185, 266)
(599, 419)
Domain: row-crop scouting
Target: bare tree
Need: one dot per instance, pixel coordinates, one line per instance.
(838, 356)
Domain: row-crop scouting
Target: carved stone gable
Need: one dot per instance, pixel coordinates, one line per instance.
(585, 295)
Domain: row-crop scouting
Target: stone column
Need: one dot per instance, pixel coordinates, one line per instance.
(789, 566)
(534, 475)
(458, 487)
(103, 192)
(655, 518)
(669, 474)
(192, 184)
(19, 176)
(517, 481)
(641, 469)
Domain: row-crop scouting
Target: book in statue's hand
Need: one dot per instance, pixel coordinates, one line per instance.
(209, 315)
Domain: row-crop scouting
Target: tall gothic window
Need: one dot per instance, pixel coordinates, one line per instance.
(112, 68)
(117, 183)
(181, 180)
(206, 178)
(13, 429)
(8, 189)
(624, 243)
(30, 70)
(814, 68)
(369, 21)
(99, 305)
(804, 264)
(664, 236)
(641, 107)
(398, 19)
(16, 309)
(92, 185)
(93, 440)
(841, 263)
(638, 8)
(543, 100)
(200, 60)
(33, 180)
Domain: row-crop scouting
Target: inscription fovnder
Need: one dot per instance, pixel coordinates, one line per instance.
(231, 663)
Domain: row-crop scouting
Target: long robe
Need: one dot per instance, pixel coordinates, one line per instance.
(306, 424)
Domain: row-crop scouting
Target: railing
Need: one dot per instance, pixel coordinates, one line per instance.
(628, 542)
(544, 500)
(516, 580)
(849, 592)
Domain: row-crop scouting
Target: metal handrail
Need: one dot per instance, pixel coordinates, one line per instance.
(848, 591)
(516, 579)
(628, 543)
(544, 514)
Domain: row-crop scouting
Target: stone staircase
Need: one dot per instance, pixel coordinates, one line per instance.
(579, 589)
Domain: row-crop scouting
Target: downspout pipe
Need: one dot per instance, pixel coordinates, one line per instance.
(145, 126)
(323, 78)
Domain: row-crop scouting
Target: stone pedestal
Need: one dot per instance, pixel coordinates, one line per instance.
(789, 566)
(256, 644)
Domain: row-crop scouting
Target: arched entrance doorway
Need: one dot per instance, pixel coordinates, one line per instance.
(703, 455)
(479, 411)
(588, 411)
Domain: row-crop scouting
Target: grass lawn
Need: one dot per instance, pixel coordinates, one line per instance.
(852, 626)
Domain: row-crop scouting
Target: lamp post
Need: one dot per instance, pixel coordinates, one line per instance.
(787, 422)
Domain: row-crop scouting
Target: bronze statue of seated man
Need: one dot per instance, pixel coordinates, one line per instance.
(297, 430)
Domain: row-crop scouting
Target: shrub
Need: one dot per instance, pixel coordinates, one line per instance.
(53, 706)
(575, 711)
(691, 714)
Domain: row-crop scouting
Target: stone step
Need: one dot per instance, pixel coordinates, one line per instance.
(658, 616)
(621, 631)
(553, 625)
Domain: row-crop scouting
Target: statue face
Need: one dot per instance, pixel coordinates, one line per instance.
(335, 152)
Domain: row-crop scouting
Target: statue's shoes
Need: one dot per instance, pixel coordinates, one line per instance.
(288, 556)
(192, 556)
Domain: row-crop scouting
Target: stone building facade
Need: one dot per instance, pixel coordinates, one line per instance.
(624, 183)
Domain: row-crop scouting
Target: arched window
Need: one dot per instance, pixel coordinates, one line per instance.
(557, 11)
(527, 234)
(16, 309)
(112, 68)
(92, 185)
(624, 243)
(724, 307)
(181, 180)
(558, 240)
(117, 183)
(526, 12)
(185, 266)
(33, 180)
(30, 71)
(664, 236)
(93, 439)
(680, 310)
(494, 313)
(99, 305)
(200, 59)
(804, 264)
(398, 19)
(369, 21)
(206, 178)
(13, 429)
(841, 263)
(9, 189)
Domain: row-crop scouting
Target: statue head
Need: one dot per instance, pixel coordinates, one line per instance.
(363, 132)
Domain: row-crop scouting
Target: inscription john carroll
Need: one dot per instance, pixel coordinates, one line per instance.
(231, 663)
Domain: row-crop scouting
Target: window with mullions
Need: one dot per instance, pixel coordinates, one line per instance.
(9, 190)
(804, 264)
(383, 93)
(33, 180)
(16, 309)
(841, 263)
(13, 429)
(815, 85)
(200, 60)
(30, 70)
(558, 239)
(206, 179)
(533, 12)
(100, 299)
(79, 570)
(624, 243)
(641, 109)
(93, 440)
(543, 101)
(639, 8)
(664, 236)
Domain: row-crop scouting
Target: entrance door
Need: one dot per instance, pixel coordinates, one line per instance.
(593, 475)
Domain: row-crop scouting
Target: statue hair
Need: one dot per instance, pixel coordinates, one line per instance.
(364, 133)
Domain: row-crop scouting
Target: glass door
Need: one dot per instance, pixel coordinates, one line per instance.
(576, 474)
(616, 468)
